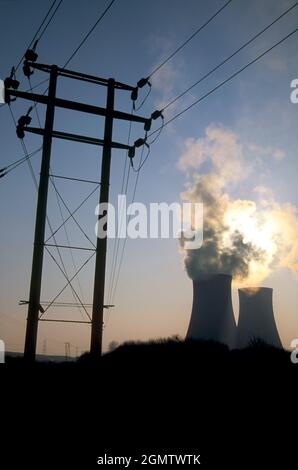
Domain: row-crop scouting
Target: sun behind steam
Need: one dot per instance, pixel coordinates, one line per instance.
(245, 238)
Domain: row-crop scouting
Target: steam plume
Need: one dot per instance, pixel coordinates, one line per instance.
(245, 238)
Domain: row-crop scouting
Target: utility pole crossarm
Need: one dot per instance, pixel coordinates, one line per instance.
(79, 76)
(75, 106)
(77, 138)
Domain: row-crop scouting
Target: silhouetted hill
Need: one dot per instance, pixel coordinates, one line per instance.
(176, 353)
(191, 354)
(235, 408)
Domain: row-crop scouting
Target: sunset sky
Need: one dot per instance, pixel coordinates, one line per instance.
(242, 139)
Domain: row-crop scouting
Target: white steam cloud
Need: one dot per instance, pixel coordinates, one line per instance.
(246, 238)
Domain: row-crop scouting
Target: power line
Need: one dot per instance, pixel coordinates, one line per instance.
(70, 58)
(65, 228)
(125, 239)
(188, 39)
(166, 60)
(228, 58)
(112, 287)
(89, 33)
(143, 160)
(108, 144)
(224, 82)
(58, 195)
(182, 112)
(124, 188)
(219, 65)
(63, 268)
(50, 20)
(12, 166)
(46, 80)
(78, 47)
(35, 37)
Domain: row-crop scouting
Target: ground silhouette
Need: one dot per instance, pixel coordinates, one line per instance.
(235, 408)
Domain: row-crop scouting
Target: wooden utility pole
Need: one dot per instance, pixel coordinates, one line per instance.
(101, 244)
(40, 224)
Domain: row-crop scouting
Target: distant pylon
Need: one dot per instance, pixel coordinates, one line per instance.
(44, 347)
(67, 351)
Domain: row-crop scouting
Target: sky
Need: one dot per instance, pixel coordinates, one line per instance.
(250, 119)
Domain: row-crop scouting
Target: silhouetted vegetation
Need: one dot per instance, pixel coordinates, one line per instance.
(162, 354)
(167, 396)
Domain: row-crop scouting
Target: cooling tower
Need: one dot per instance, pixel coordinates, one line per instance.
(256, 318)
(212, 315)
